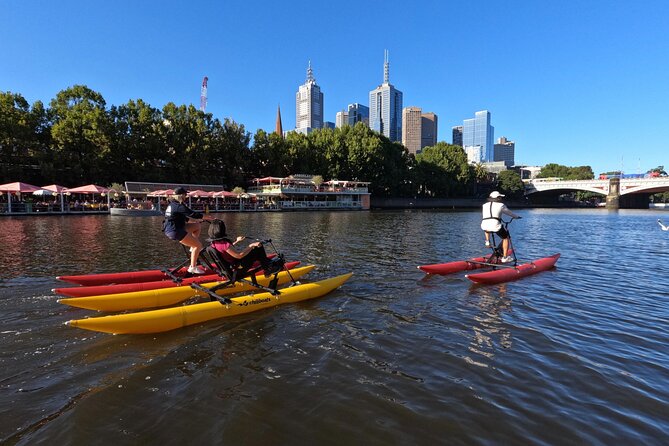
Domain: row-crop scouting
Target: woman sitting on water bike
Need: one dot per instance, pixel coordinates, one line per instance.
(243, 260)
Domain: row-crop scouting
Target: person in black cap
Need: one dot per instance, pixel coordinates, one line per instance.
(178, 227)
(492, 222)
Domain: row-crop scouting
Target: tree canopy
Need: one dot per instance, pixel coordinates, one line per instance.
(553, 170)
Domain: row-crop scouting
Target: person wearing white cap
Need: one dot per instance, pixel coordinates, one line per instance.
(492, 222)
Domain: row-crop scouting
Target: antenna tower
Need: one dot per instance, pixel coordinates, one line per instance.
(203, 95)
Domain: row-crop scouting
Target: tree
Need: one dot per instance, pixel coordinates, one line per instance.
(136, 147)
(510, 183)
(24, 138)
(269, 155)
(443, 171)
(553, 170)
(81, 133)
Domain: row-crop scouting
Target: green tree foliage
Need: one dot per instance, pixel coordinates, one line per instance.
(137, 147)
(442, 171)
(553, 170)
(24, 139)
(81, 134)
(510, 184)
(269, 155)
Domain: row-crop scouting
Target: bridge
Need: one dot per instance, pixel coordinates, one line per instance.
(625, 192)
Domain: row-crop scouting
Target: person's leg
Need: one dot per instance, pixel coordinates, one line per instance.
(195, 244)
(256, 255)
(505, 247)
(487, 238)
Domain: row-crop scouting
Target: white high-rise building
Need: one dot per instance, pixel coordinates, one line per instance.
(342, 119)
(309, 105)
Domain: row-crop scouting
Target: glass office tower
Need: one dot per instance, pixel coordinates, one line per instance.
(478, 132)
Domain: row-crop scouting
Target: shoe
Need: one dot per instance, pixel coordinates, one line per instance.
(273, 266)
(487, 244)
(507, 259)
(195, 269)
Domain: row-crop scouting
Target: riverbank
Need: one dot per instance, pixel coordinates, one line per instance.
(462, 203)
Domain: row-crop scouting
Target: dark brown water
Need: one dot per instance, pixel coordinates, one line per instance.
(576, 355)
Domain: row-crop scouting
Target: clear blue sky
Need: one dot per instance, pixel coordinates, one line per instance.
(572, 82)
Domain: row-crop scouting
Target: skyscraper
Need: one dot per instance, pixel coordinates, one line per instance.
(477, 137)
(457, 135)
(341, 119)
(411, 129)
(428, 132)
(358, 113)
(385, 107)
(309, 105)
(505, 151)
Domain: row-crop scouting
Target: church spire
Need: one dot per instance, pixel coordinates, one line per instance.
(279, 128)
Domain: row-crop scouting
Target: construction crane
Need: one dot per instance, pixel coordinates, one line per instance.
(203, 95)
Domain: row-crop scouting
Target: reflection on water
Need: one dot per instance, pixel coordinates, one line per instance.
(393, 357)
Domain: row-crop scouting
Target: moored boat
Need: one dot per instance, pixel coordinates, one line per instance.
(156, 321)
(507, 274)
(128, 212)
(137, 300)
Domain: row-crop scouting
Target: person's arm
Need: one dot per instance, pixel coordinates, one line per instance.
(507, 211)
(188, 212)
(240, 255)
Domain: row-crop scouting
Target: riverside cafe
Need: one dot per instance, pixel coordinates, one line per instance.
(201, 197)
(305, 192)
(24, 198)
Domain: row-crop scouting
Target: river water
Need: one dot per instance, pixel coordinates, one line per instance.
(575, 355)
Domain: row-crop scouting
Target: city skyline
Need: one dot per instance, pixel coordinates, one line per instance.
(574, 89)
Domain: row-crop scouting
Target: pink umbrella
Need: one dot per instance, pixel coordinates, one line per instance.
(198, 193)
(88, 189)
(91, 189)
(55, 188)
(59, 190)
(16, 188)
(224, 193)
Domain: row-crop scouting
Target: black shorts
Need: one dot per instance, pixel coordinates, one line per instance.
(503, 233)
(177, 234)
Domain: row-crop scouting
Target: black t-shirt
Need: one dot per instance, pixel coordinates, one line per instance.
(176, 216)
